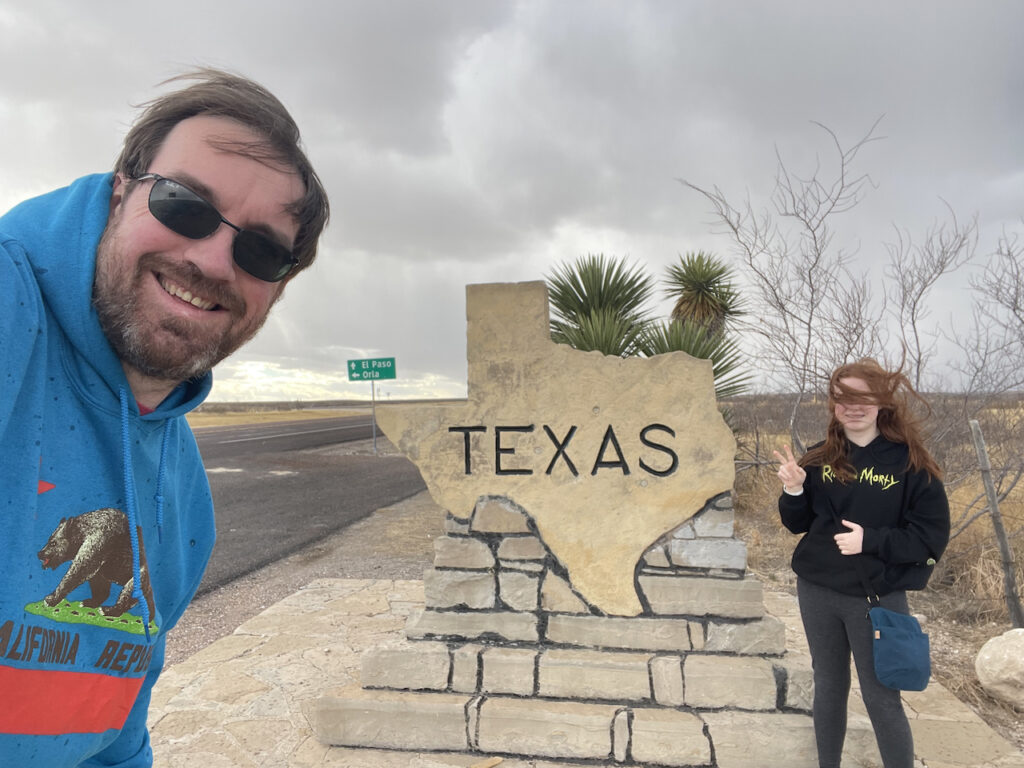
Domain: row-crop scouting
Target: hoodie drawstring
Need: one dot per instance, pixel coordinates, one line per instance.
(129, 492)
(161, 476)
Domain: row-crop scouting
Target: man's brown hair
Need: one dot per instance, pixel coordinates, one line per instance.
(223, 94)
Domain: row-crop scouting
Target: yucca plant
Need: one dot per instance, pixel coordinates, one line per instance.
(703, 291)
(692, 338)
(598, 303)
(602, 330)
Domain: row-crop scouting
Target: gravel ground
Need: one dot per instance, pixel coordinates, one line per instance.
(395, 542)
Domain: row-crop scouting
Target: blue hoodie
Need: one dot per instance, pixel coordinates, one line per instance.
(107, 521)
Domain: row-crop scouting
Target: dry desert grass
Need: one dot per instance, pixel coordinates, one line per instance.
(233, 418)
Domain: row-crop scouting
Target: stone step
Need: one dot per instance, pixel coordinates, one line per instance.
(542, 728)
(761, 636)
(512, 590)
(700, 681)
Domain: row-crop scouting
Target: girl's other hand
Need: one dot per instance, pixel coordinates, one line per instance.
(850, 543)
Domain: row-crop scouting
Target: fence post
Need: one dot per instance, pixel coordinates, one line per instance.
(1009, 567)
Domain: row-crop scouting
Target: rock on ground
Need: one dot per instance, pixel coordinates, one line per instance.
(1000, 667)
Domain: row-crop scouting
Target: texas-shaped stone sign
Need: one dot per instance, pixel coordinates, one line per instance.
(606, 455)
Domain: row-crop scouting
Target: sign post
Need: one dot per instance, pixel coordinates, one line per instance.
(372, 369)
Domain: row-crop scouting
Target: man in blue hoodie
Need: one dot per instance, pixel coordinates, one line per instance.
(119, 294)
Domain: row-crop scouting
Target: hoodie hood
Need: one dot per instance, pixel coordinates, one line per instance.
(880, 451)
(72, 220)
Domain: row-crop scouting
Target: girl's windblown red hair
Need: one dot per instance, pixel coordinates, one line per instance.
(892, 392)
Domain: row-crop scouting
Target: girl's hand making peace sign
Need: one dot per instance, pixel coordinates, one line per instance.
(790, 473)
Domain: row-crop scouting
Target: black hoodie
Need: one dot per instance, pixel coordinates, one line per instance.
(905, 515)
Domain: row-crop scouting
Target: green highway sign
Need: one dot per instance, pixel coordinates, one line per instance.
(372, 369)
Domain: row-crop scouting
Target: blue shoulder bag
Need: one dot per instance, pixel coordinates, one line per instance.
(901, 650)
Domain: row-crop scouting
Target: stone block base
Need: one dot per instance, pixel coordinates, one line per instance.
(506, 658)
(570, 730)
(392, 720)
(702, 681)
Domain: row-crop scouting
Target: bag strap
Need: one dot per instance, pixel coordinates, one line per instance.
(872, 595)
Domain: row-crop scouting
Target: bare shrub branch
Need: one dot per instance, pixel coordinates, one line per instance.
(804, 289)
(808, 314)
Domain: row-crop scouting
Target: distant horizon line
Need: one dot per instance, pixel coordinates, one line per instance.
(273, 405)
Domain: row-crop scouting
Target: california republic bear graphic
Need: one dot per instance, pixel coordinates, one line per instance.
(99, 548)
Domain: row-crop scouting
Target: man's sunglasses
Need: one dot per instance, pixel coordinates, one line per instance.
(183, 211)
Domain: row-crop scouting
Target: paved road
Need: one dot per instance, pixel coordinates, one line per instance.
(219, 443)
(280, 487)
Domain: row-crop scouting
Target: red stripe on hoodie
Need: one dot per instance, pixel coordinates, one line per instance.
(44, 702)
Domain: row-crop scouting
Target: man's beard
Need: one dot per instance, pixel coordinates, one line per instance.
(171, 349)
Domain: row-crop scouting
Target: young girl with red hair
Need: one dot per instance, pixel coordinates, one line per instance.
(869, 491)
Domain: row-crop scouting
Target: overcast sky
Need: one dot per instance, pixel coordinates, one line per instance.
(487, 141)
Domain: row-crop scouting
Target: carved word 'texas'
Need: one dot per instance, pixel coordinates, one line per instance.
(609, 455)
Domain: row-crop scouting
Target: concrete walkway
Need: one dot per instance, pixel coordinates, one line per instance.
(241, 702)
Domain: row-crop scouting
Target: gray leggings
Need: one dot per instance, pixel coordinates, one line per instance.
(837, 624)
